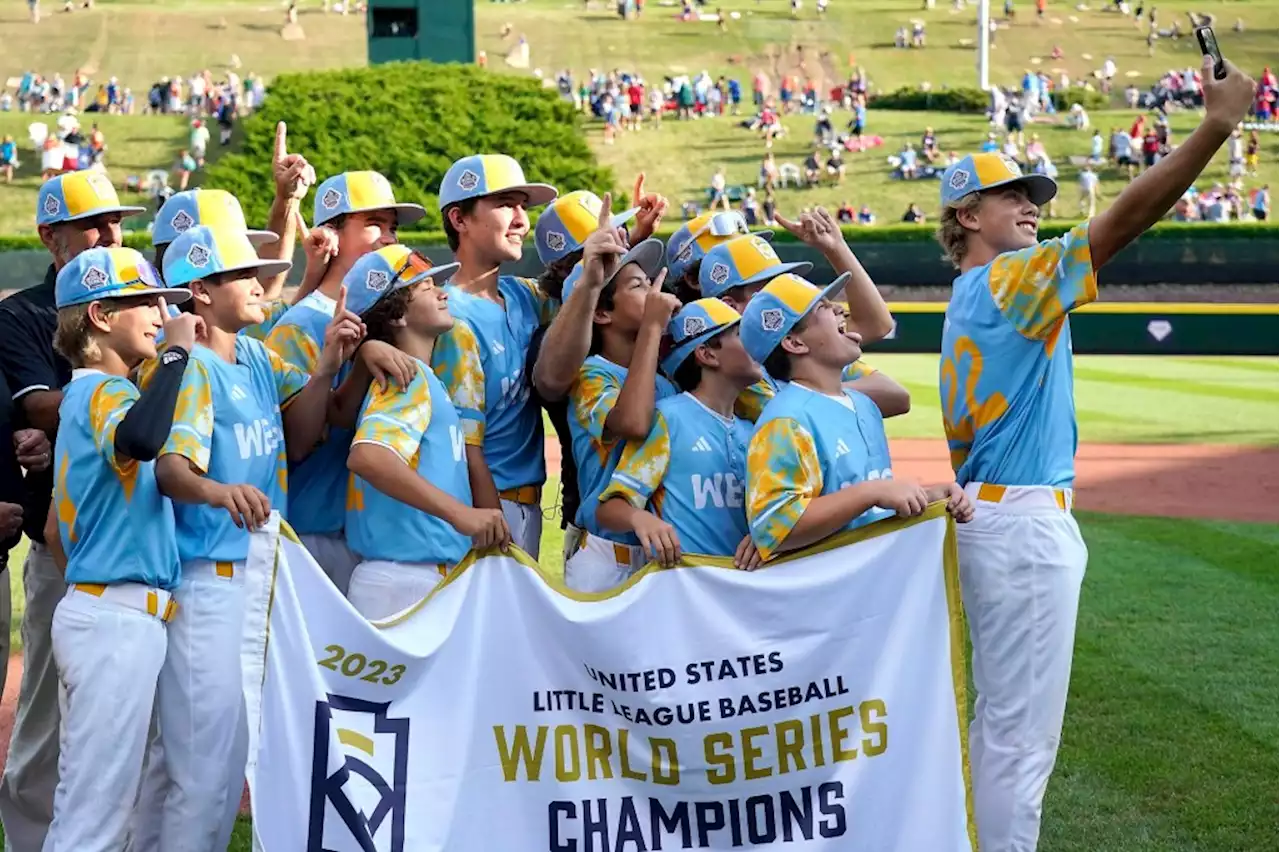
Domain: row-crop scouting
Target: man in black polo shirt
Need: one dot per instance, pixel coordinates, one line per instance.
(74, 212)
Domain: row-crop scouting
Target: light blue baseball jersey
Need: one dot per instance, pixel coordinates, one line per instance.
(806, 445)
(595, 452)
(421, 426)
(316, 485)
(228, 424)
(691, 471)
(481, 361)
(752, 401)
(115, 525)
(1005, 377)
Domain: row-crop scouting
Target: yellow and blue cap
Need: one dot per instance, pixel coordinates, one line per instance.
(201, 252)
(775, 310)
(648, 255)
(978, 172)
(743, 261)
(488, 174)
(380, 273)
(78, 195)
(692, 240)
(111, 273)
(565, 225)
(360, 192)
(213, 208)
(695, 324)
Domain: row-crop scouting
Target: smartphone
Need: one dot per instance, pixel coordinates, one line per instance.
(1209, 47)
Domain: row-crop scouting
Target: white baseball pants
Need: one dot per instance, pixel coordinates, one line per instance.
(600, 564)
(331, 552)
(109, 656)
(525, 522)
(1022, 561)
(380, 589)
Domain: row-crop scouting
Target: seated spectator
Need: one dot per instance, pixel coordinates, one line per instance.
(929, 146)
(900, 38)
(917, 33)
(751, 207)
(1077, 118)
(907, 163)
(1011, 149)
(812, 169)
(768, 172)
(952, 158)
(990, 145)
(719, 194)
(835, 165)
(1035, 150)
(770, 208)
(846, 214)
(914, 215)
(865, 216)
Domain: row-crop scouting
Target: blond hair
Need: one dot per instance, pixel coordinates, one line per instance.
(76, 338)
(953, 236)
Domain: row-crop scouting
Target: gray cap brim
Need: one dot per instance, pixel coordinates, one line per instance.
(649, 255)
(1041, 189)
(257, 238)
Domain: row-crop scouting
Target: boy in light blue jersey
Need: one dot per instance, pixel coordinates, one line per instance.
(224, 463)
(409, 512)
(113, 533)
(818, 461)
(482, 359)
(682, 487)
(613, 401)
(1005, 381)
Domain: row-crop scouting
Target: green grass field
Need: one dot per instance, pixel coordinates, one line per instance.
(139, 42)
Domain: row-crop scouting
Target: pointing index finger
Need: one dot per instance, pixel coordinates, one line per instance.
(606, 211)
(282, 144)
(341, 307)
(638, 195)
(300, 222)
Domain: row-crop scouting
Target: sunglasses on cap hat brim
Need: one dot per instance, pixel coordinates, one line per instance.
(416, 268)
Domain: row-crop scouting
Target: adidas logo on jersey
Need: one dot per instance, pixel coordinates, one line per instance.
(702, 445)
(497, 348)
(841, 447)
(238, 394)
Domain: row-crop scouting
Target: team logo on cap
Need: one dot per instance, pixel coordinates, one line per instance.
(1010, 165)
(694, 326)
(99, 184)
(555, 240)
(198, 256)
(379, 181)
(959, 179)
(591, 205)
(686, 253)
(377, 280)
(719, 273)
(762, 246)
(95, 277)
(331, 199)
(182, 221)
(771, 319)
(52, 206)
(468, 180)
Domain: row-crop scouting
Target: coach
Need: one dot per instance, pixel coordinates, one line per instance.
(74, 212)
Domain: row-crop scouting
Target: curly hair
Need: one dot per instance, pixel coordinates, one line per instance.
(953, 236)
(384, 317)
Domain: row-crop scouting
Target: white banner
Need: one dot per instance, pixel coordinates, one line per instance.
(814, 704)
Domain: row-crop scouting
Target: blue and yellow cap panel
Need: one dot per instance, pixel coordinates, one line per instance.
(360, 192)
(692, 240)
(775, 310)
(743, 261)
(648, 255)
(214, 208)
(111, 273)
(380, 273)
(488, 174)
(78, 195)
(201, 252)
(978, 172)
(565, 225)
(692, 326)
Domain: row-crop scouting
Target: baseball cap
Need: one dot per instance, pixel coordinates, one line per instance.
(380, 273)
(648, 255)
(775, 310)
(742, 261)
(978, 172)
(111, 273)
(568, 221)
(695, 324)
(215, 208)
(695, 238)
(487, 174)
(78, 195)
(202, 251)
(360, 192)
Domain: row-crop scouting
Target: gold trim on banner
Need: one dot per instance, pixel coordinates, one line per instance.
(959, 670)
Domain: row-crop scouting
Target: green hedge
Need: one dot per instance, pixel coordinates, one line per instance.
(409, 121)
(975, 101)
(875, 234)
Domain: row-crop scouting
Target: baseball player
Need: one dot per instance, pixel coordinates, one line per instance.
(355, 214)
(682, 487)
(690, 243)
(74, 212)
(113, 533)
(482, 359)
(409, 512)
(613, 401)
(818, 461)
(223, 465)
(1006, 386)
(737, 269)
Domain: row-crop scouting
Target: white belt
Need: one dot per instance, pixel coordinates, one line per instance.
(1020, 499)
(137, 596)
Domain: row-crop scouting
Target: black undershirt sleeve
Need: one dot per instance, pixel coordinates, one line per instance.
(146, 426)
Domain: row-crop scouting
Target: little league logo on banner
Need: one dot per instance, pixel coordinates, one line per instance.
(815, 704)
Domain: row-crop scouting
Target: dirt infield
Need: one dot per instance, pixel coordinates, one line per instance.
(1175, 480)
